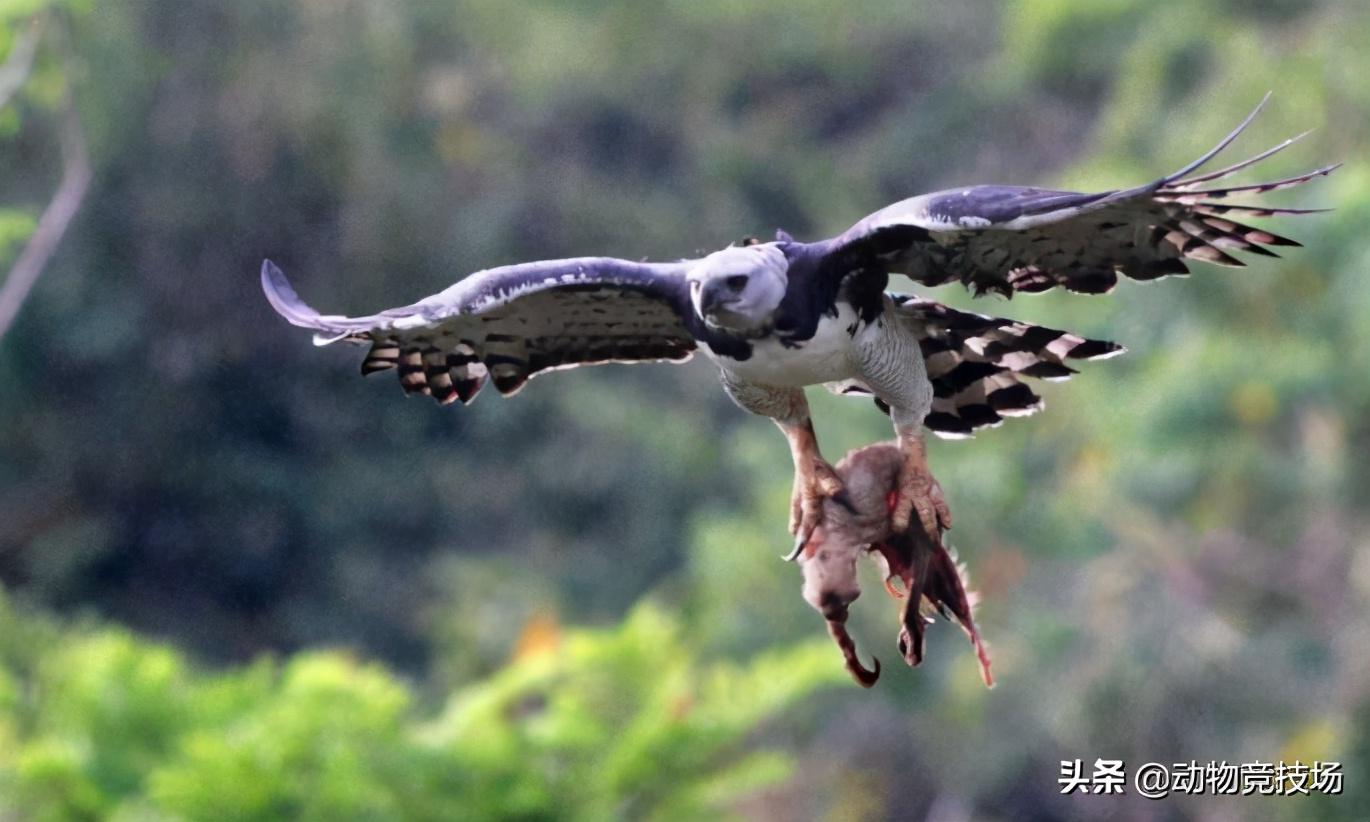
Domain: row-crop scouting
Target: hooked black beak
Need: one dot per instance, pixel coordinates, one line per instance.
(713, 294)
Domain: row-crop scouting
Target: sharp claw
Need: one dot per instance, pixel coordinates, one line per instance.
(919, 492)
(806, 514)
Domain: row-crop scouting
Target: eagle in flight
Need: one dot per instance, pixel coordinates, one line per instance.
(778, 316)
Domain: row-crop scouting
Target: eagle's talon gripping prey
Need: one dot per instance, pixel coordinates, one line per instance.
(814, 478)
(864, 526)
(919, 491)
(811, 486)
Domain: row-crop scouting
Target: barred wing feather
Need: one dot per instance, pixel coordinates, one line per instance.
(1009, 239)
(977, 364)
(508, 324)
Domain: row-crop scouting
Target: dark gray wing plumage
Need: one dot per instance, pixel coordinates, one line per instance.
(511, 323)
(1008, 239)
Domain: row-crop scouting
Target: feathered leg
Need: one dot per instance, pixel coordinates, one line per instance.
(892, 366)
(814, 478)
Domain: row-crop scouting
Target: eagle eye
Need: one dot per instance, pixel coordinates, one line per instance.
(736, 282)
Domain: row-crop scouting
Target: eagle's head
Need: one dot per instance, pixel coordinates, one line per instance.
(739, 288)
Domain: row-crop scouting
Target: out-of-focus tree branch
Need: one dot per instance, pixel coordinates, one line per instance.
(65, 203)
(20, 60)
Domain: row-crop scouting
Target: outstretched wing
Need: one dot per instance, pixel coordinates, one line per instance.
(513, 322)
(1008, 239)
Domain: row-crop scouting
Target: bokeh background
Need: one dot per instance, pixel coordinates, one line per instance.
(241, 582)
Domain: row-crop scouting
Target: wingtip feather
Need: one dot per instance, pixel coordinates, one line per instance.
(1224, 143)
(284, 299)
(1235, 167)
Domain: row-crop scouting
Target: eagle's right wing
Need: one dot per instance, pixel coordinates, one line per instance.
(513, 322)
(1009, 239)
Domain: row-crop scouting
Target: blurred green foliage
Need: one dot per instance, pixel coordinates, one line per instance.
(589, 725)
(1172, 555)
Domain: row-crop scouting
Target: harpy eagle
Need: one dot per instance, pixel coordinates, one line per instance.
(778, 316)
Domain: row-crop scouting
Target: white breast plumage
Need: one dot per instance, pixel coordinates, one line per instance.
(827, 357)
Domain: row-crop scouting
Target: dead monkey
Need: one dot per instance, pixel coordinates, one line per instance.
(859, 522)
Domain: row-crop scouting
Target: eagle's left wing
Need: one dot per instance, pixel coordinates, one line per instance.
(1008, 239)
(513, 322)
